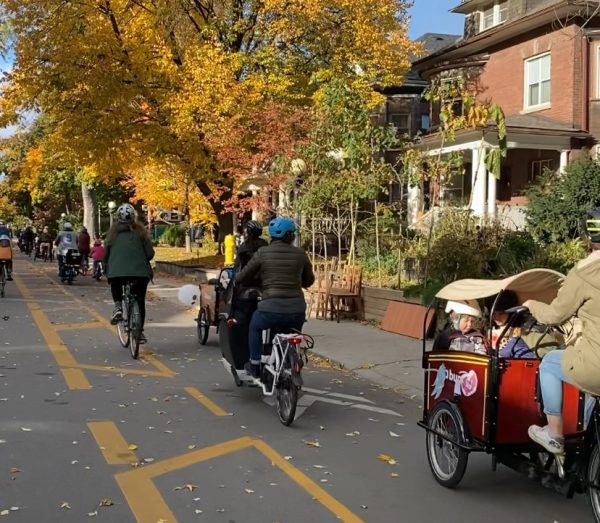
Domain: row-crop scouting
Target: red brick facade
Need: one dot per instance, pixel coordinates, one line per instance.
(503, 78)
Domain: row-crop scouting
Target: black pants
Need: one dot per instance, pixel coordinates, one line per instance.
(138, 289)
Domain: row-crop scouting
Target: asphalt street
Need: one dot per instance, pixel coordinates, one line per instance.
(88, 433)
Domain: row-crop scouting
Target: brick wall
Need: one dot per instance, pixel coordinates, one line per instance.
(503, 78)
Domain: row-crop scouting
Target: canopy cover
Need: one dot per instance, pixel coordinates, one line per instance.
(534, 284)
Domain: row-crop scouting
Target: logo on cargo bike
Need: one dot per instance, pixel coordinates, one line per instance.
(465, 383)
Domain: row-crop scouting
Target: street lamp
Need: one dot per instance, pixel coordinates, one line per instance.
(111, 209)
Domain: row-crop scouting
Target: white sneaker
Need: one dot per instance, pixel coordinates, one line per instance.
(541, 435)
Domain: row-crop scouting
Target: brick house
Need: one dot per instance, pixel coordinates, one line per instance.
(540, 61)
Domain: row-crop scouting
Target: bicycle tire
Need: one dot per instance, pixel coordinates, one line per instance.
(123, 330)
(203, 326)
(135, 328)
(2, 280)
(287, 392)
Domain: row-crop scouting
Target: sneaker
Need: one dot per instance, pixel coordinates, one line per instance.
(541, 435)
(143, 339)
(9, 277)
(117, 316)
(252, 370)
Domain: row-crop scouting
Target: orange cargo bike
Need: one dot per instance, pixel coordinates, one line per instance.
(480, 402)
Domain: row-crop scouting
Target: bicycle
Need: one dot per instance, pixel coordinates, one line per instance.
(129, 328)
(3, 277)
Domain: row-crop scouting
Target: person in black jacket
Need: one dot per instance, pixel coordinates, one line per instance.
(284, 270)
(251, 244)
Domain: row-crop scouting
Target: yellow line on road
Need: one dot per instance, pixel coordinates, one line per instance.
(145, 500)
(78, 326)
(122, 370)
(209, 404)
(113, 446)
(74, 377)
(318, 494)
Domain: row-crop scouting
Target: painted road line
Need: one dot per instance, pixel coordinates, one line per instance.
(145, 500)
(360, 399)
(74, 377)
(78, 326)
(147, 504)
(123, 370)
(113, 446)
(209, 404)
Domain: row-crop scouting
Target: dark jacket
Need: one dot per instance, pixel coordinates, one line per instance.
(83, 242)
(284, 271)
(247, 250)
(128, 255)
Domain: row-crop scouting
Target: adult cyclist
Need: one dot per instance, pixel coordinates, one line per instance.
(65, 241)
(283, 270)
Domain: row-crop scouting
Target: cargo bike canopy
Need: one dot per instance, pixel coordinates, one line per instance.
(534, 284)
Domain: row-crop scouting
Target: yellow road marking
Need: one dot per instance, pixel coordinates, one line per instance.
(73, 376)
(147, 504)
(209, 404)
(122, 370)
(113, 446)
(320, 495)
(78, 326)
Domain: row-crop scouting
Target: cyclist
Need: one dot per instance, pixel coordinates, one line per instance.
(28, 239)
(6, 254)
(65, 241)
(252, 242)
(579, 364)
(128, 251)
(4, 230)
(45, 241)
(284, 270)
(83, 245)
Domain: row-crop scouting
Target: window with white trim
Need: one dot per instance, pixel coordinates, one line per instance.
(538, 167)
(537, 81)
(494, 14)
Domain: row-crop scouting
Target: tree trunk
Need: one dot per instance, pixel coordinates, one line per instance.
(224, 218)
(88, 196)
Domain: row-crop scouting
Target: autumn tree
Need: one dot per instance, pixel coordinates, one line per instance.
(164, 80)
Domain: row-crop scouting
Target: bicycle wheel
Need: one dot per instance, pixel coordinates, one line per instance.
(135, 328)
(123, 328)
(203, 326)
(287, 392)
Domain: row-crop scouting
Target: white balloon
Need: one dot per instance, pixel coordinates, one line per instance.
(189, 295)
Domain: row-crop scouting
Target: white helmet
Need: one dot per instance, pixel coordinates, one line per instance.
(468, 307)
(67, 226)
(125, 213)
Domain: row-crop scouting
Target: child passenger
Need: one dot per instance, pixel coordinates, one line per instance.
(462, 335)
(6, 255)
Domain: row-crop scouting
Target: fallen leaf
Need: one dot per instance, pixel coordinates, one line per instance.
(133, 446)
(393, 475)
(387, 459)
(106, 503)
(319, 466)
(25, 429)
(5, 512)
(198, 511)
(15, 470)
(93, 514)
(367, 365)
(66, 505)
(249, 491)
(288, 458)
(394, 435)
(312, 443)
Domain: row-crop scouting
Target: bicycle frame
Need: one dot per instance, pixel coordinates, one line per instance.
(273, 363)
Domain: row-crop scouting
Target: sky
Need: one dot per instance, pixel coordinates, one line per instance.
(432, 16)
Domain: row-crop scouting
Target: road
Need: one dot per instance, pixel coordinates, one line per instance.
(88, 433)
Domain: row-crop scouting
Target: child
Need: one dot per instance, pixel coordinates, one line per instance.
(97, 254)
(462, 335)
(6, 255)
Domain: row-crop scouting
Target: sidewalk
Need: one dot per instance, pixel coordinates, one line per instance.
(386, 359)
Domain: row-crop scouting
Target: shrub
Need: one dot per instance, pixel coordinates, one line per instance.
(174, 235)
(561, 257)
(557, 204)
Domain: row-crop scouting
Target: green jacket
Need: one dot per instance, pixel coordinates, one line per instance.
(579, 295)
(128, 256)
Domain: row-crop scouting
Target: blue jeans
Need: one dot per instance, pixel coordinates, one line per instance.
(551, 381)
(262, 320)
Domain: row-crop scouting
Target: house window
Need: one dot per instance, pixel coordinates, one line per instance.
(537, 169)
(494, 14)
(537, 81)
(401, 122)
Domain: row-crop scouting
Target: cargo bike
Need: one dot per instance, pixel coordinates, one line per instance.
(484, 403)
(212, 301)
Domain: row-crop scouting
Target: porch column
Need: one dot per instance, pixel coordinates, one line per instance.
(491, 195)
(478, 177)
(256, 214)
(413, 204)
(564, 161)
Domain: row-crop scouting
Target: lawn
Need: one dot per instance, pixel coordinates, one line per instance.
(203, 257)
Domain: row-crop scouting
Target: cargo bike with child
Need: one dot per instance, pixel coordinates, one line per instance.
(482, 391)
